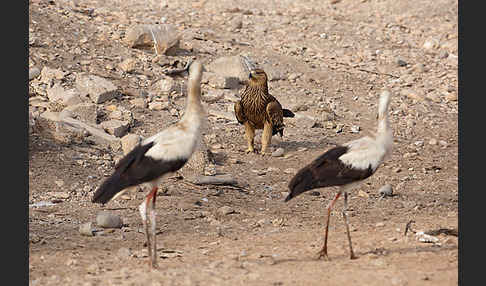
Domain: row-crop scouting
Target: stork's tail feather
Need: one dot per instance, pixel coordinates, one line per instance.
(110, 187)
(301, 182)
(287, 113)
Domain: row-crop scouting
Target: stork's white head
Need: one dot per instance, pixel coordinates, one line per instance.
(383, 103)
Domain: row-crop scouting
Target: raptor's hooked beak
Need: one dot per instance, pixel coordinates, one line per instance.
(249, 75)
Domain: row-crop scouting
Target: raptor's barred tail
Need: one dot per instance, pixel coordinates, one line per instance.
(287, 113)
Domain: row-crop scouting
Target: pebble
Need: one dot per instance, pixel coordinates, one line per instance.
(139, 102)
(86, 229)
(225, 210)
(355, 129)
(419, 143)
(386, 190)
(401, 63)
(34, 72)
(97, 88)
(128, 65)
(124, 252)
(290, 171)
(108, 220)
(433, 141)
(278, 153)
(363, 194)
(59, 195)
(314, 193)
(380, 224)
(451, 97)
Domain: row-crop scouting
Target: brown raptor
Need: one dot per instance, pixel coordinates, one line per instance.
(257, 109)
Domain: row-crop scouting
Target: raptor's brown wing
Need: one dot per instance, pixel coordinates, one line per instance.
(240, 115)
(275, 114)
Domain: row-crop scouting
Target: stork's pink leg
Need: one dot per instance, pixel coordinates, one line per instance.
(153, 230)
(323, 252)
(351, 252)
(150, 234)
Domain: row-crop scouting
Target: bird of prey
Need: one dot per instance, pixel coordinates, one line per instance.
(346, 166)
(257, 109)
(157, 156)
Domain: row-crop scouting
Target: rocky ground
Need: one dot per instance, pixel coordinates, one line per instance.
(97, 85)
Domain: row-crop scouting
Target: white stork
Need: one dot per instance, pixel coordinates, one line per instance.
(346, 166)
(158, 156)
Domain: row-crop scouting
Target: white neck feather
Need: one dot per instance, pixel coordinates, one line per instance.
(384, 134)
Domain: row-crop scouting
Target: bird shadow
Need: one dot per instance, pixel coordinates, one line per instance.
(292, 145)
(377, 251)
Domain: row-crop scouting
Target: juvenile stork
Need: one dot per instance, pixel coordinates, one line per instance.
(346, 166)
(158, 156)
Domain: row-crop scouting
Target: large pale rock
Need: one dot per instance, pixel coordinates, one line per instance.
(108, 220)
(164, 38)
(229, 66)
(97, 88)
(50, 125)
(166, 85)
(85, 111)
(47, 75)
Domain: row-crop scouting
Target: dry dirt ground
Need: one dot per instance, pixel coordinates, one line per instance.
(324, 55)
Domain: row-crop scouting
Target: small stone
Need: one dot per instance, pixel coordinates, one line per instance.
(278, 153)
(401, 63)
(443, 54)
(431, 44)
(290, 171)
(85, 111)
(225, 210)
(420, 68)
(59, 195)
(106, 219)
(139, 102)
(158, 106)
(86, 229)
(355, 129)
(47, 75)
(451, 97)
(380, 224)
(386, 191)
(433, 141)
(97, 88)
(59, 183)
(293, 76)
(128, 65)
(34, 72)
(115, 127)
(217, 146)
(166, 85)
(443, 143)
(419, 143)
(314, 193)
(363, 194)
(412, 95)
(124, 252)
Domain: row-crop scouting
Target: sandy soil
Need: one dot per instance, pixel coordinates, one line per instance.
(329, 55)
